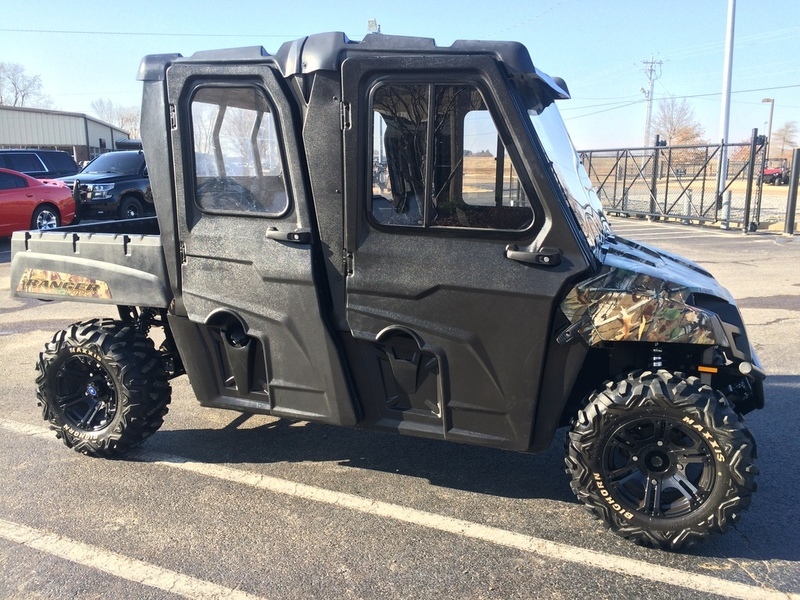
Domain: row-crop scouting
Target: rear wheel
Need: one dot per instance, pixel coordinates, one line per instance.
(130, 208)
(45, 217)
(662, 459)
(102, 386)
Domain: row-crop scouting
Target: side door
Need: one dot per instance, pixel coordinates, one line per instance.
(247, 242)
(450, 293)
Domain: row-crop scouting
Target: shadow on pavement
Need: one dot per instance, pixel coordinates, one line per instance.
(459, 466)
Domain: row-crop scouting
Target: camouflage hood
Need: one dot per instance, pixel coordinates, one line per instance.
(644, 295)
(633, 256)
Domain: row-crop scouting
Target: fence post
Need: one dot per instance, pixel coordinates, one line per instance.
(717, 192)
(747, 225)
(666, 185)
(726, 198)
(687, 207)
(654, 179)
(625, 182)
(759, 192)
(791, 205)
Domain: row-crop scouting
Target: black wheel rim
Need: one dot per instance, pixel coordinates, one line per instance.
(659, 467)
(85, 393)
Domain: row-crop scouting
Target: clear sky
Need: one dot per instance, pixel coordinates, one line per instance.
(85, 50)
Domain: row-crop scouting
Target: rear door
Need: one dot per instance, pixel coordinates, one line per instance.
(16, 203)
(247, 243)
(450, 295)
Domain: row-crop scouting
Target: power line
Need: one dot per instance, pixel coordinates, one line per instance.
(766, 89)
(625, 105)
(603, 111)
(618, 104)
(618, 98)
(622, 99)
(529, 20)
(154, 34)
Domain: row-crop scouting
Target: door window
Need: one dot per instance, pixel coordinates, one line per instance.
(238, 167)
(438, 161)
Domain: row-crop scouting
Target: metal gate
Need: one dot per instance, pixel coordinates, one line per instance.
(681, 182)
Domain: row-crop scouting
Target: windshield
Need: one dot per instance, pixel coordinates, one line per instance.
(123, 163)
(575, 183)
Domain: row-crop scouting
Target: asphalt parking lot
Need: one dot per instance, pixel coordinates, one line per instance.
(217, 505)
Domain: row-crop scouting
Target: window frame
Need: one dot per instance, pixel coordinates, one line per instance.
(511, 154)
(192, 187)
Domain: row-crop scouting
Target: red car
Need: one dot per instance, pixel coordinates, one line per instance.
(28, 203)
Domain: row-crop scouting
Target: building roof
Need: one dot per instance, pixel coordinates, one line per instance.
(60, 113)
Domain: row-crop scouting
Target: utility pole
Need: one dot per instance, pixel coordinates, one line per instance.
(653, 73)
(725, 116)
(769, 123)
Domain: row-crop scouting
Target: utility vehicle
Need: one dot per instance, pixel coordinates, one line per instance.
(468, 288)
(776, 171)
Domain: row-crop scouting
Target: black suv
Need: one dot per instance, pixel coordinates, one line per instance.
(38, 163)
(113, 185)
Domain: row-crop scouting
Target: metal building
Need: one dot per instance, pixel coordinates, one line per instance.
(81, 135)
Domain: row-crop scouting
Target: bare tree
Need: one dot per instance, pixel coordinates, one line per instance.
(675, 122)
(103, 109)
(19, 89)
(784, 139)
(125, 117)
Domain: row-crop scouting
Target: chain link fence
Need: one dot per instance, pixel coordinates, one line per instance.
(683, 182)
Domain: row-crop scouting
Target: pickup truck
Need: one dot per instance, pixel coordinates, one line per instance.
(457, 293)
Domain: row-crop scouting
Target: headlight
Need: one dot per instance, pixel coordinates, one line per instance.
(100, 190)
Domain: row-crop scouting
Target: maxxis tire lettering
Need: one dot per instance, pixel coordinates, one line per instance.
(718, 454)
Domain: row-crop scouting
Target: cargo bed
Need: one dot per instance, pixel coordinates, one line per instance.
(112, 262)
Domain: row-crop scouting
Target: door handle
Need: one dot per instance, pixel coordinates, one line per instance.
(546, 257)
(298, 236)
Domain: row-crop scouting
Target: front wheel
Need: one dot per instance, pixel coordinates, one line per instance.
(102, 386)
(662, 459)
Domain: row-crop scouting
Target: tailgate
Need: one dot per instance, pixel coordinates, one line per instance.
(104, 268)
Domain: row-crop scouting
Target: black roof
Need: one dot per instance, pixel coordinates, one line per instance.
(326, 51)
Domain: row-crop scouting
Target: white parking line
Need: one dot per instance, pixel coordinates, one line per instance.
(491, 535)
(624, 231)
(650, 235)
(118, 565)
(622, 228)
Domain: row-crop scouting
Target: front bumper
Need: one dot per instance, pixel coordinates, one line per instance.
(86, 205)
